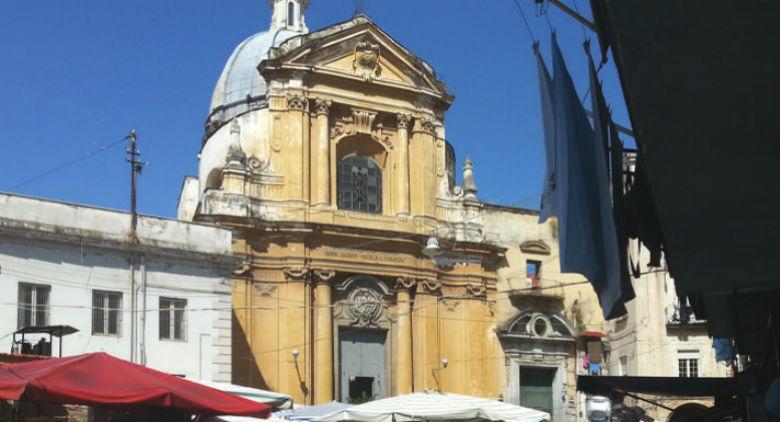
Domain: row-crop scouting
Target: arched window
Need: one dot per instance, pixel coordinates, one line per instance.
(290, 14)
(359, 184)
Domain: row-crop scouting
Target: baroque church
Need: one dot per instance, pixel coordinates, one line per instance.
(367, 271)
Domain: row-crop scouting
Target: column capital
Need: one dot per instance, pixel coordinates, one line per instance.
(299, 274)
(322, 106)
(322, 276)
(430, 285)
(403, 283)
(297, 102)
(403, 120)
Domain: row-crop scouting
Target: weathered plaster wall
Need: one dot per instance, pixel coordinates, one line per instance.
(75, 250)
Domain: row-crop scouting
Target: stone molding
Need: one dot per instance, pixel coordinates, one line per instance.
(535, 247)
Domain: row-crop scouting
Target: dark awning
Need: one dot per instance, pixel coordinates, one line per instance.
(55, 330)
(670, 386)
(700, 81)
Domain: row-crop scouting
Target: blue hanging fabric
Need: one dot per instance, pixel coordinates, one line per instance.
(586, 229)
(549, 203)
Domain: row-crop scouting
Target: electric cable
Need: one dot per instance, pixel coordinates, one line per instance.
(66, 164)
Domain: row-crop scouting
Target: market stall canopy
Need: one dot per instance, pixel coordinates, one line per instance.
(273, 399)
(98, 379)
(311, 412)
(434, 406)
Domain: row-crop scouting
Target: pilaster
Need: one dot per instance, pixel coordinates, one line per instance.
(404, 383)
(320, 154)
(402, 163)
(323, 336)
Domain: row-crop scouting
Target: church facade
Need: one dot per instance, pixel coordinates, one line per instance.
(367, 272)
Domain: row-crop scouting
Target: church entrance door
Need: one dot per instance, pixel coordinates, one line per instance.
(363, 360)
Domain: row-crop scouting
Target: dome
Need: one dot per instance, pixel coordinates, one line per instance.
(240, 77)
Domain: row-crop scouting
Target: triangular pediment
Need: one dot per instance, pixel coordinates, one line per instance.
(357, 49)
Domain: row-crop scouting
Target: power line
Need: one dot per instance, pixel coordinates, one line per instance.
(66, 164)
(534, 40)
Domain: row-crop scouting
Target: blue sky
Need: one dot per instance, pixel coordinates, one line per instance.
(76, 75)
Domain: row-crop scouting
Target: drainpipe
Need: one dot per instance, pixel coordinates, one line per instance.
(132, 306)
(142, 352)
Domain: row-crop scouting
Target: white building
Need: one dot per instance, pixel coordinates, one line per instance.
(67, 264)
(660, 338)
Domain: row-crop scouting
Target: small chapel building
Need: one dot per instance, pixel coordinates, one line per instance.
(367, 271)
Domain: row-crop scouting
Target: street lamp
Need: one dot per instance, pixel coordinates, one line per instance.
(432, 248)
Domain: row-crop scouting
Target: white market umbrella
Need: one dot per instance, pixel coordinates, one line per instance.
(273, 399)
(434, 406)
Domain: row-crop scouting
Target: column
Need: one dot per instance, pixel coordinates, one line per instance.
(320, 154)
(323, 337)
(402, 164)
(403, 363)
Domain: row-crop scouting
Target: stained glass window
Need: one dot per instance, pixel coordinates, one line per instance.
(359, 184)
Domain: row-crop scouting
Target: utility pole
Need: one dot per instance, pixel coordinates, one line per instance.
(135, 169)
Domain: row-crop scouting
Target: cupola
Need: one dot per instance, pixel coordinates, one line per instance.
(288, 15)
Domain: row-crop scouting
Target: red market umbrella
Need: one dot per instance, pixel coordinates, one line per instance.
(99, 379)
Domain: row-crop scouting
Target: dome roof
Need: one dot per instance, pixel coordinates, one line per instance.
(240, 77)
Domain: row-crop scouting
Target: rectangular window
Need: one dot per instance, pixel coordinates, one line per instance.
(173, 325)
(532, 273)
(624, 365)
(688, 363)
(33, 305)
(693, 368)
(688, 368)
(106, 313)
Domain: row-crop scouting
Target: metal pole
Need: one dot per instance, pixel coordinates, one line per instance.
(135, 169)
(579, 18)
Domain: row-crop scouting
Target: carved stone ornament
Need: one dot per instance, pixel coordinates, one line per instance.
(428, 125)
(242, 269)
(402, 283)
(363, 121)
(258, 165)
(322, 106)
(366, 62)
(323, 275)
(403, 120)
(476, 289)
(430, 285)
(450, 304)
(336, 131)
(296, 274)
(364, 305)
(297, 102)
(265, 289)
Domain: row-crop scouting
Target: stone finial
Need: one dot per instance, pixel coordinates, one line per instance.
(235, 156)
(469, 186)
